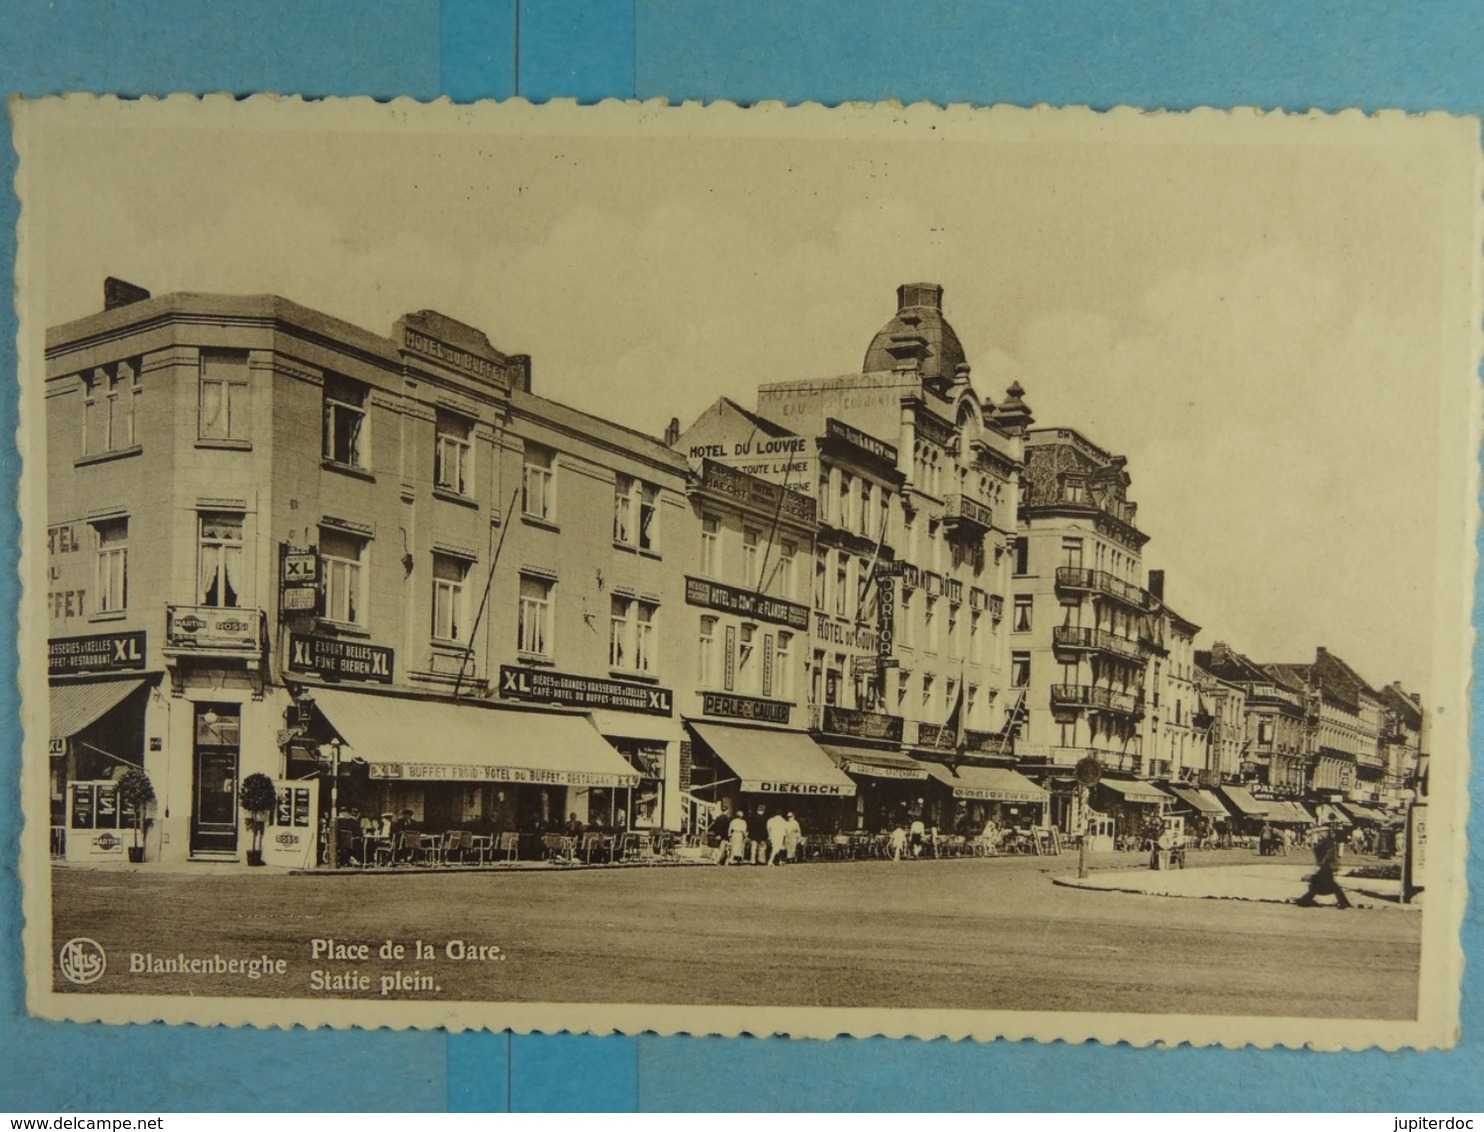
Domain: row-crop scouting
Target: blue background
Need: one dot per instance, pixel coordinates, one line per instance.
(1276, 53)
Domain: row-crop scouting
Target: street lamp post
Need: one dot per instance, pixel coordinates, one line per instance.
(333, 836)
(1089, 772)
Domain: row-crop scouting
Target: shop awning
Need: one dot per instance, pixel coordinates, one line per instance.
(75, 706)
(633, 725)
(1328, 814)
(428, 740)
(1363, 813)
(1289, 813)
(1197, 799)
(775, 762)
(987, 783)
(876, 764)
(1246, 805)
(1145, 793)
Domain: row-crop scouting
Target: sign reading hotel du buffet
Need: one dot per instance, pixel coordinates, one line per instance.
(747, 603)
(539, 685)
(102, 652)
(446, 772)
(338, 659)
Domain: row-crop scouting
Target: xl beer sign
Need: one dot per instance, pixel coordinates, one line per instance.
(334, 658)
(102, 652)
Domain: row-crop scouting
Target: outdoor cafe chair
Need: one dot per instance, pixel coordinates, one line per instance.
(482, 845)
(508, 844)
(593, 842)
(560, 848)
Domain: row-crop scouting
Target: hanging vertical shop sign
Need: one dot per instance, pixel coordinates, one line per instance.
(729, 665)
(886, 613)
(767, 664)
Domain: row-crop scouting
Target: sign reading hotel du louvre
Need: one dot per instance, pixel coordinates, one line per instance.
(747, 603)
(539, 685)
(744, 707)
(338, 659)
(103, 652)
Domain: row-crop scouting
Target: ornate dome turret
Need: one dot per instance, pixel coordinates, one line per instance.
(917, 337)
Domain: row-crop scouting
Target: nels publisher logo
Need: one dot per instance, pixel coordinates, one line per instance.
(82, 961)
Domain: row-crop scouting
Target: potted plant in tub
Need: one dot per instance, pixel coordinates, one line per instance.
(136, 793)
(258, 796)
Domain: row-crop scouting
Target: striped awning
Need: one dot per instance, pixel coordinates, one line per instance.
(75, 706)
(987, 783)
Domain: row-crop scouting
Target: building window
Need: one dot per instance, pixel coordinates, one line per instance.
(451, 467)
(843, 517)
(108, 407)
(750, 540)
(1020, 669)
(863, 519)
(449, 599)
(634, 512)
(1071, 553)
(953, 636)
(618, 632)
(223, 400)
(904, 682)
(1022, 556)
(344, 558)
(971, 704)
(784, 575)
(976, 638)
(783, 667)
(112, 583)
(906, 625)
(928, 686)
(824, 495)
(631, 634)
(930, 622)
(347, 440)
(219, 557)
(1021, 615)
(706, 660)
(710, 545)
(821, 579)
(533, 630)
(538, 483)
(1075, 491)
(842, 583)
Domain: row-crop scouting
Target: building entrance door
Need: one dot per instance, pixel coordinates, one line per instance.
(214, 795)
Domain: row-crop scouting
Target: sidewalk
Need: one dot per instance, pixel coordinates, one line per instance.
(1262, 883)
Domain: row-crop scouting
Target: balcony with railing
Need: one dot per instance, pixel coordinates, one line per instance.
(966, 516)
(1069, 637)
(1044, 754)
(1273, 692)
(214, 630)
(1094, 696)
(1080, 578)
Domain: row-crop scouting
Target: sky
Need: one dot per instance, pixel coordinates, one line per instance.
(1264, 315)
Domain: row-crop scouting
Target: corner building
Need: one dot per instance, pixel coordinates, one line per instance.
(915, 479)
(276, 539)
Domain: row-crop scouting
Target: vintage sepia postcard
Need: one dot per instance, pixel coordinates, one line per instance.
(777, 570)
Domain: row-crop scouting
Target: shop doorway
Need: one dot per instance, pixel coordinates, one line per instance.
(218, 741)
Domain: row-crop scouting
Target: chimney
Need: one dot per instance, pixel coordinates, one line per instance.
(1415, 697)
(520, 371)
(919, 295)
(1157, 583)
(119, 293)
(672, 432)
(1220, 653)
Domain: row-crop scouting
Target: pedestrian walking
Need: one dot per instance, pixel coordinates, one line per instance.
(737, 836)
(793, 837)
(777, 834)
(897, 842)
(721, 832)
(915, 836)
(1327, 855)
(757, 836)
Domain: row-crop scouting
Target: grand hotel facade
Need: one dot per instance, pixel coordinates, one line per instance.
(278, 543)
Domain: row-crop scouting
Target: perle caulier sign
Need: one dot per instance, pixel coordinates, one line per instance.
(1068, 438)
